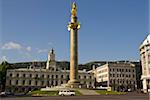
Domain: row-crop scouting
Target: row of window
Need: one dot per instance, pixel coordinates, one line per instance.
(121, 70)
(117, 75)
(102, 71)
(122, 75)
(24, 82)
(103, 76)
(121, 81)
(36, 83)
(48, 76)
(118, 70)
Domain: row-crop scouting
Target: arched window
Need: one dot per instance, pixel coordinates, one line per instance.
(56, 83)
(9, 82)
(114, 81)
(36, 83)
(90, 83)
(29, 82)
(62, 76)
(17, 75)
(43, 76)
(47, 83)
(118, 80)
(127, 81)
(79, 77)
(68, 77)
(30, 75)
(16, 82)
(10, 75)
(61, 82)
(47, 76)
(52, 76)
(52, 69)
(56, 76)
(24, 75)
(36, 76)
(23, 82)
(52, 83)
(42, 83)
(90, 77)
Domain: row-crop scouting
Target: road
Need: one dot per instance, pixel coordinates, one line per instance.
(99, 97)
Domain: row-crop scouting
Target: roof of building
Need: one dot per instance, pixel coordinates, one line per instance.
(146, 41)
(42, 70)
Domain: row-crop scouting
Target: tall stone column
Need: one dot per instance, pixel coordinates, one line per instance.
(73, 27)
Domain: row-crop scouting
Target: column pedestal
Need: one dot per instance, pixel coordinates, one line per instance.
(144, 86)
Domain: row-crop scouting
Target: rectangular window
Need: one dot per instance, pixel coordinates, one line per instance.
(29, 82)
(129, 70)
(24, 75)
(23, 82)
(113, 75)
(133, 70)
(117, 75)
(30, 75)
(133, 76)
(120, 70)
(110, 75)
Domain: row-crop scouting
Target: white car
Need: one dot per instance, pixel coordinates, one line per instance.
(66, 93)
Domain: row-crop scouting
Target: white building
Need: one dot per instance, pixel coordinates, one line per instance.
(145, 60)
(26, 79)
(120, 76)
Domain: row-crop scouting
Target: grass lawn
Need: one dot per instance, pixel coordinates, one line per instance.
(48, 93)
(43, 93)
(77, 92)
(109, 92)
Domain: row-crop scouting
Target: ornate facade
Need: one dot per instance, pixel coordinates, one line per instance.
(27, 79)
(145, 60)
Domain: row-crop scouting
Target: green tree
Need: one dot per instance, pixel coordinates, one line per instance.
(3, 69)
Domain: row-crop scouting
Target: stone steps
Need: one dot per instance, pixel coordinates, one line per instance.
(87, 92)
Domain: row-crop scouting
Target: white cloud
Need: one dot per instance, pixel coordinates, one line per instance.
(4, 58)
(42, 50)
(28, 48)
(15, 46)
(11, 45)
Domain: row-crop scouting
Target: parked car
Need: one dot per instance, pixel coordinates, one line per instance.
(102, 88)
(3, 94)
(66, 93)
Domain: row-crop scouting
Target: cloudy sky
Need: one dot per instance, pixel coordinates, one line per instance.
(110, 29)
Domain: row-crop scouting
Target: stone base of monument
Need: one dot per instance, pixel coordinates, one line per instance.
(74, 84)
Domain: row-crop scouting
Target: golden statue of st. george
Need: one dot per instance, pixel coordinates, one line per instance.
(74, 9)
